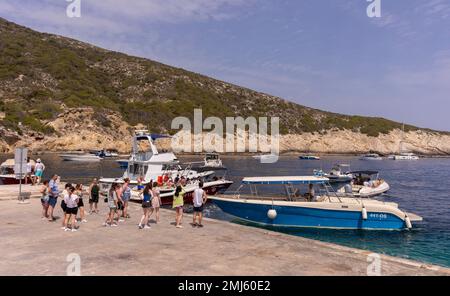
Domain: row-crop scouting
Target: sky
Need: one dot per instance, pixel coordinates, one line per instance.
(325, 54)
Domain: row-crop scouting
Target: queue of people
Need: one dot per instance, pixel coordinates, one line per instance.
(117, 200)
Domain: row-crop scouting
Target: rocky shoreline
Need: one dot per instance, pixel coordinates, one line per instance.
(79, 129)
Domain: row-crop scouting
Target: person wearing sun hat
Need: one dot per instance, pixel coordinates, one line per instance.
(39, 171)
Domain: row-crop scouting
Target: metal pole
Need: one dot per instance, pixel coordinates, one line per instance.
(20, 177)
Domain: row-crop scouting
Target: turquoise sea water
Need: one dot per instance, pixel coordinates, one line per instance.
(421, 187)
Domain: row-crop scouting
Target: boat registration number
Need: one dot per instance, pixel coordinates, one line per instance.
(378, 216)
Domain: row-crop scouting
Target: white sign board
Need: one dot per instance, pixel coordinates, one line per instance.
(20, 163)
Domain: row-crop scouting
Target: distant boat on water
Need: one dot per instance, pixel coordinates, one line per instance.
(404, 155)
(266, 158)
(83, 157)
(371, 156)
(309, 157)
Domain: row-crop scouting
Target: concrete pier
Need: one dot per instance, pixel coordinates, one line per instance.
(31, 246)
(11, 192)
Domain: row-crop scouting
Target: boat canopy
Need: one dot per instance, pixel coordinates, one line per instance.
(286, 180)
(364, 172)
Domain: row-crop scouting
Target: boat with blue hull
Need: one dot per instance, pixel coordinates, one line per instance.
(327, 210)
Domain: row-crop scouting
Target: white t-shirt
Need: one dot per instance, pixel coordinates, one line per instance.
(71, 200)
(198, 197)
(39, 167)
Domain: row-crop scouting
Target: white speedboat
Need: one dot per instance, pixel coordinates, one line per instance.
(149, 165)
(365, 184)
(371, 156)
(406, 156)
(211, 162)
(339, 174)
(266, 158)
(323, 210)
(7, 173)
(85, 157)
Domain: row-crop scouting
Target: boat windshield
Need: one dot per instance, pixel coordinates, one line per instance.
(136, 170)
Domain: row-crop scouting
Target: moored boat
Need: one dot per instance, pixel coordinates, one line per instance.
(80, 157)
(371, 156)
(266, 158)
(325, 210)
(366, 184)
(404, 155)
(309, 157)
(211, 162)
(339, 174)
(7, 174)
(150, 165)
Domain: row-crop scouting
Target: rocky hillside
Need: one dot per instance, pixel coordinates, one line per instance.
(57, 93)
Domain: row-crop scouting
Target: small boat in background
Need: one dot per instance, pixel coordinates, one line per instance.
(267, 158)
(365, 184)
(84, 157)
(309, 157)
(7, 174)
(322, 210)
(405, 156)
(339, 174)
(371, 156)
(211, 162)
(106, 154)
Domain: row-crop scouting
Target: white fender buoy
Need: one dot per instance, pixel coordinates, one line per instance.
(272, 214)
(364, 213)
(408, 222)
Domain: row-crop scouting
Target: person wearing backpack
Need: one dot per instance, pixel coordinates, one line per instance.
(146, 206)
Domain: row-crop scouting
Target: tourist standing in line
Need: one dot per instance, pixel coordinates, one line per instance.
(71, 200)
(178, 203)
(53, 197)
(156, 201)
(199, 200)
(112, 200)
(126, 196)
(80, 193)
(29, 175)
(45, 196)
(38, 171)
(94, 196)
(146, 205)
(118, 191)
(65, 193)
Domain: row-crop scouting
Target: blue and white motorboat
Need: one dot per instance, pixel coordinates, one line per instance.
(324, 210)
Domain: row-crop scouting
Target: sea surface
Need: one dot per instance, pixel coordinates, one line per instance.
(421, 187)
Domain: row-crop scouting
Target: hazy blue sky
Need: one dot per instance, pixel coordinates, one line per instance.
(321, 53)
